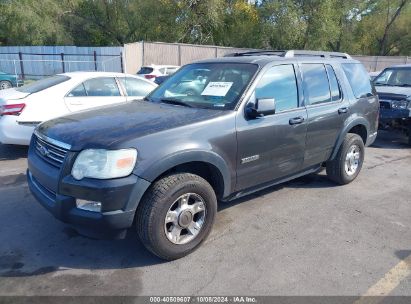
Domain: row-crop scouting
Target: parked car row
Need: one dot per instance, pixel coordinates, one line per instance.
(214, 130)
(23, 108)
(152, 72)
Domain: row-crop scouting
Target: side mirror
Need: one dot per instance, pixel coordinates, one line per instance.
(261, 107)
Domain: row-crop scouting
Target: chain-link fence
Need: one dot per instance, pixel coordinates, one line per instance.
(27, 66)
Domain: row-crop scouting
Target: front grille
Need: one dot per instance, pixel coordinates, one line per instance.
(43, 189)
(385, 105)
(51, 153)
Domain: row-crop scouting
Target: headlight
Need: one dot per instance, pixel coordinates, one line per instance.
(104, 164)
(399, 104)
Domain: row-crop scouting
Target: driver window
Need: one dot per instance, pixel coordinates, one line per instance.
(279, 82)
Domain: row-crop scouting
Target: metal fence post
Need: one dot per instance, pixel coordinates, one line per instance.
(95, 60)
(121, 62)
(376, 62)
(179, 54)
(142, 52)
(15, 70)
(21, 65)
(62, 62)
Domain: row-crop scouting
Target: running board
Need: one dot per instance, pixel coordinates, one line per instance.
(248, 191)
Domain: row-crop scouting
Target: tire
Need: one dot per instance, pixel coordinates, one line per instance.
(5, 84)
(337, 170)
(163, 202)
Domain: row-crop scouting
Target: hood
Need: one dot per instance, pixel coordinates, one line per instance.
(110, 126)
(9, 95)
(393, 90)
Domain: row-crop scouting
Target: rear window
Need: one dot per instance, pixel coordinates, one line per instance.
(43, 84)
(136, 87)
(316, 85)
(145, 70)
(358, 78)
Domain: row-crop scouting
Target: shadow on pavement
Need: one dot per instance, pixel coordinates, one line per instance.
(390, 139)
(47, 256)
(12, 152)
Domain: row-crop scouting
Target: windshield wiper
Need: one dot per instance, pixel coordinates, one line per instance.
(404, 85)
(380, 84)
(175, 102)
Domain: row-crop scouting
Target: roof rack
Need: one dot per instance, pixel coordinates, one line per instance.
(256, 53)
(291, 54)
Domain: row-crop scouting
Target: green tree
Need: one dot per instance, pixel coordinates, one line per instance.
(25, 22)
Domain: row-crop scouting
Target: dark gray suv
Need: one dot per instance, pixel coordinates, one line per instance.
(161, 164)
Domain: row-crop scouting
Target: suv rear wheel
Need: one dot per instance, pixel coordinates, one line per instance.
(176, 215)
(348, 162)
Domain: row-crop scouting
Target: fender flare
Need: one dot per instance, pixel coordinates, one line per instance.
(156, 169)
(352, 123)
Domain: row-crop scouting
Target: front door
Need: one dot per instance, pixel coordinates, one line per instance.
(272, 147)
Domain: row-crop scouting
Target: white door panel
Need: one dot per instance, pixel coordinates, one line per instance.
(92, 93)
(75, 104)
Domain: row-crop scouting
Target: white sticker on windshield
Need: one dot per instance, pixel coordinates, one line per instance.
(217, 88)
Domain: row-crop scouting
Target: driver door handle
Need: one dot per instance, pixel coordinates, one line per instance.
(296, 120)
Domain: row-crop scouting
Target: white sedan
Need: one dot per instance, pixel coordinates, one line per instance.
(23, 108)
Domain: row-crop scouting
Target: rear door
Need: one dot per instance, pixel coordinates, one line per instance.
(272, 147)
(93, 93)
(326, 108)
(136, 88)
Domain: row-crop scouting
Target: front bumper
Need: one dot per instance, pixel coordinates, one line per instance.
(57, 191)
(390, 114)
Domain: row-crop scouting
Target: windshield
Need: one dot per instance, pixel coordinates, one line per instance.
(206, 85)
(43, 84)
(394, 77)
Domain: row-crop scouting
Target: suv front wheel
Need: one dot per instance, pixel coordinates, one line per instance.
(176, 215)
(345, 167)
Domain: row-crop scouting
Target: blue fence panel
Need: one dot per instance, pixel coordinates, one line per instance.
(40, 61)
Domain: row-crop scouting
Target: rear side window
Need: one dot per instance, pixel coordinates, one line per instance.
(358, 78)
(316, 87)
(334, 87)
(136, 87)
(79, 91)
(43, 84)
(145, 70)
(279, 83)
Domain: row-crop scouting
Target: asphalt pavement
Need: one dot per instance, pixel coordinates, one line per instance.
(305, 237)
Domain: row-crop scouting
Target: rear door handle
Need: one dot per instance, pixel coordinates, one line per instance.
(296, 120)
(342, 110)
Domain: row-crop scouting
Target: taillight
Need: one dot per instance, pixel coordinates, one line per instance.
(149, 76)
(13, 109)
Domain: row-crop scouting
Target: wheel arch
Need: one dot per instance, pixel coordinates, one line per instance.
(358, 126)
(209, 165)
